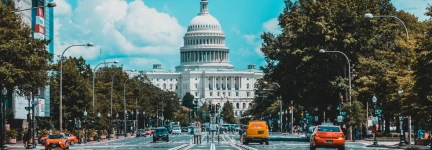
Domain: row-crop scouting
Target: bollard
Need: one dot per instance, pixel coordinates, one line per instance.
(218, 138)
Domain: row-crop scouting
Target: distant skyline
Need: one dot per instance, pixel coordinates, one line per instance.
(139, 33)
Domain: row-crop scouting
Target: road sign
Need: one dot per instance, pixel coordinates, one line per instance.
(27, 108)
(374, 120)
(339, 118)
(197, 128)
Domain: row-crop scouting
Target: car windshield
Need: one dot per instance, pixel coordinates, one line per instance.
(176, 128)
(328, 129)
(161, 131)
(55, 136)
(141, 130)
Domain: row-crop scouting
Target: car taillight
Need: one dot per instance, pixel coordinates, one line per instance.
(341, 135)
(317, 135)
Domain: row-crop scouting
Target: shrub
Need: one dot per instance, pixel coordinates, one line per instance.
(12, 133)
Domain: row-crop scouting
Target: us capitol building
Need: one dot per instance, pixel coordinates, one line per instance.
(204, 68)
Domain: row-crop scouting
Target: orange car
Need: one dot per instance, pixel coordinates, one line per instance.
(149, 132)
(327, 136)
(71, 138)
(56, 141)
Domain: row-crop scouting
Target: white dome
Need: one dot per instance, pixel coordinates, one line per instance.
(204, 22)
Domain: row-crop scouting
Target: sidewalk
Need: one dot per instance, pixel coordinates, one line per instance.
(393, 145)
(20, 144)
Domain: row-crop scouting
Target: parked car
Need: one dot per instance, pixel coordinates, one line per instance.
(149, 132)
(327, 136)
(257, 132)
(72, 139)
(55, 141)
(161, 133)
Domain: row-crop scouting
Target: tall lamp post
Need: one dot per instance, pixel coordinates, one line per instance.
(49, 5)
(349, 81)
(402, 137)
(109, 126)
(375, 142)
(85, 126)
(61, 83)
(112, 86)
(93, 78)
(3, 120)
(280, 106)
(98, 127)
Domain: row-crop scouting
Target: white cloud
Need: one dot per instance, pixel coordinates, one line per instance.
(63, 8)
(131, 63)
(119, 28)
(255, 41)
(416, 7)
(272, 26)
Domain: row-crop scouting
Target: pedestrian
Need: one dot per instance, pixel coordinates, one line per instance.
(241, 134)
(26, 137)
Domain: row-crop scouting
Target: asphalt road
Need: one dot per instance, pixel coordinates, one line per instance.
(225, 142)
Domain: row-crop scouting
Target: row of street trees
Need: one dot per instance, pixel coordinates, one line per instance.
(383, 59)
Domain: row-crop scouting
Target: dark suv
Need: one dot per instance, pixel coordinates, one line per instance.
(160, 133)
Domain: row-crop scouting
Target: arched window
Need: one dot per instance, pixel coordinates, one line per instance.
(244, 105)
(171, 86)
(237, 105)
(164, 86)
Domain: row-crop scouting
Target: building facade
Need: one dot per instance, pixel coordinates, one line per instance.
(41, 21)
(205, 70)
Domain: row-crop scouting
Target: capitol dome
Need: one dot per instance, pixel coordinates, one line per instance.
(204, 44)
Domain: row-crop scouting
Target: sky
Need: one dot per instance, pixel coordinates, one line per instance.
(140, 33)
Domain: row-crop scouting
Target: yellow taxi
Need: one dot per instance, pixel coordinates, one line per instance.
(256, 132)
(327, 136)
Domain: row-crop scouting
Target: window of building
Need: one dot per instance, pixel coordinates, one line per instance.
(176, 86)
(171, 86)
(228, 78)
(247, 94)
(236, 93)
(164, 79)
(247, 86)
(217, 86)
(164, 86)
(244, 105)
(157, 79)
(196, 78)
(210, 87)
(223, 86)
(218, 94)
(236, 113)
(196, 85)
(229, 93)
(170, 79)
(228, 86)
(196, 93)
(237, 105)
(247, 78)
(211, 93)
(157, 85)
(236, 86)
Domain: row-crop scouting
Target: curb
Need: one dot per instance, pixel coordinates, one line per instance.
(401, 147)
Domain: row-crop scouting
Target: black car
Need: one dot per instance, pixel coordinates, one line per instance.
(141, 133)
(160, 134)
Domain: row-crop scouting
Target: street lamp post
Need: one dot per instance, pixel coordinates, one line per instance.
(349, 81)
(3, 120)
(280, 106)
(85, 126)
(98, 127)
(125, 125)
(50, 5)
(61, 83)
(93, 78)
(375, 142)
(118, 124)
(109, 126)
(112, 86)
(402, 137)
(370, 16)
(124, 104)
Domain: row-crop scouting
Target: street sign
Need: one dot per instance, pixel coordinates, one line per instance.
(343, 113)
(378, 111)
(197, 128)
(27, 108)
(339, 118)
(374, 120)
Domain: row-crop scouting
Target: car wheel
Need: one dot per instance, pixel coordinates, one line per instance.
(267, 143)
(341, 148)
(167, 140)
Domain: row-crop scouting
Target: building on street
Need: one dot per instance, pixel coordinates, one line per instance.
(205, 70)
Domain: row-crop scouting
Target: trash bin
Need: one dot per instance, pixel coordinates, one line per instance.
(421, 134)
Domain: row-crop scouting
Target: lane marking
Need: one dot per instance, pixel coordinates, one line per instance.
(212, 147)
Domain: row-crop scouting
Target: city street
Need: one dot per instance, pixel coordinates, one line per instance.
(228, 141)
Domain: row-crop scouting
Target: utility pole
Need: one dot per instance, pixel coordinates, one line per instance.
(292, 116)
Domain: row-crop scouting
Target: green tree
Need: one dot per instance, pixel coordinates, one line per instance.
(76, 90)
(188, 100)
(24, 59)
(228, 112)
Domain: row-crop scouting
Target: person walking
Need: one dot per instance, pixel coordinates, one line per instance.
(241, 134)
(26, 137)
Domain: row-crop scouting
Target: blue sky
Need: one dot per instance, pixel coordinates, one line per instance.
(139, 33)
